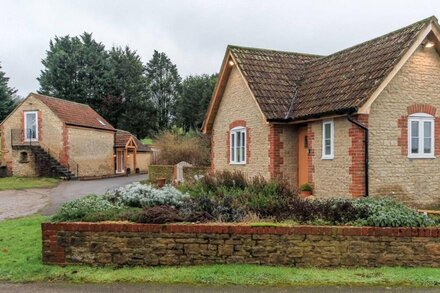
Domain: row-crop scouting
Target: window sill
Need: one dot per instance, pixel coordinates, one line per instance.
(421, 157)
(327, 158)
(231, 163)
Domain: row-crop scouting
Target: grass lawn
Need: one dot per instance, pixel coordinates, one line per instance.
(147, 140)
(20, 261)
(8, 183)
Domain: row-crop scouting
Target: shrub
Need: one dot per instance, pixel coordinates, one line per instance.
(305, 187)
(175, 147)
(387, 212)
(257, 195)
(118, 214)
(202, 209)
(79, 209)
(159, 215)
(141, 195)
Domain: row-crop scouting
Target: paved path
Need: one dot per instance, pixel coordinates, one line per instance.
(129, 288)
(19, 203)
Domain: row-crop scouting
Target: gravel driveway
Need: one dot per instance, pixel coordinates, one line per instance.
(19, 203)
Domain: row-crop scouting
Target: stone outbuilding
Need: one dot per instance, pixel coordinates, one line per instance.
(46, 136)
(131, 154)
(364, 121)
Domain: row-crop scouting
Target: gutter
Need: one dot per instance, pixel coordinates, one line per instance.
(363, 127)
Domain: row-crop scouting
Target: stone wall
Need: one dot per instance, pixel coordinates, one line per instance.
(331, 177)
(392, 173)
(143, 161)
(301, 246)
(50, 136)
(289, 154)
(92, 150)
(24, 162)
(238, 104)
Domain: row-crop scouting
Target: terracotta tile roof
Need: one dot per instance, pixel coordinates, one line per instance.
(298, 86)
(272, 76)
(74, 113)
(122, 138)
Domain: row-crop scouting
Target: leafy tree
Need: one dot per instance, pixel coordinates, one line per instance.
(164, 85)
(76, 69)
(193, 101)
(7, 101)
(128, 90)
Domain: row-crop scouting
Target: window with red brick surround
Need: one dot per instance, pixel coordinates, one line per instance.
(402, 123)
(234, 124)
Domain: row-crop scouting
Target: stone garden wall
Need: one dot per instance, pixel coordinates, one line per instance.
(180, 244)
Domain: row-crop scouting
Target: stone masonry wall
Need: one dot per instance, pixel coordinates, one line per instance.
(331, 178)
(143, 161)
(238, 104)
(92, 150)
(302, 246)
(392, 173)
(289, 154)
(50, 135)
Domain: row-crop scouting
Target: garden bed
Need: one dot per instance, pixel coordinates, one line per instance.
(231, 198)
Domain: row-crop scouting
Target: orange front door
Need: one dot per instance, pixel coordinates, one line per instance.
(303, 154)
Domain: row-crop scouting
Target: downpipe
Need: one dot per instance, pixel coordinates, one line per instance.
(365, 129)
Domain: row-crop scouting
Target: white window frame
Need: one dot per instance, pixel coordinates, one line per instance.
(421, 118)
(332, 139)
(233, 155)
(25, 126)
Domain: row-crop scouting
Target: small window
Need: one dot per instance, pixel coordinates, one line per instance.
(421, 136)
(238, 145)
(327, 140)
(24, 158)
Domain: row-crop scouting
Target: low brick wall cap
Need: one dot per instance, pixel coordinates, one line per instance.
(242, 229)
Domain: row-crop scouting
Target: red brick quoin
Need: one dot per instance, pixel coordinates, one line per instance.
(64, 153)
(311, 155)
(40, 125)
(402, 123)
(275, 148)
(357, 154)
(238, 123)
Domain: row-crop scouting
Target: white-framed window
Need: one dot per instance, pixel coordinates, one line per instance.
(238, 145)
(421, 136)
(31, 126)
(327, 140)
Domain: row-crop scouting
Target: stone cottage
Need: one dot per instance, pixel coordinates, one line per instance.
(46, 136)
(364, 121)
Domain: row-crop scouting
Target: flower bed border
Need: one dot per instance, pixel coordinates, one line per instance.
(54, 247)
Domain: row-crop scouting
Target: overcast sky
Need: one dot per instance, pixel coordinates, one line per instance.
(195, 33)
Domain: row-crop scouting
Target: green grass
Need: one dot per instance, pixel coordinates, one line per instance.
(20, 261)
(9, 183)
(147, 140)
